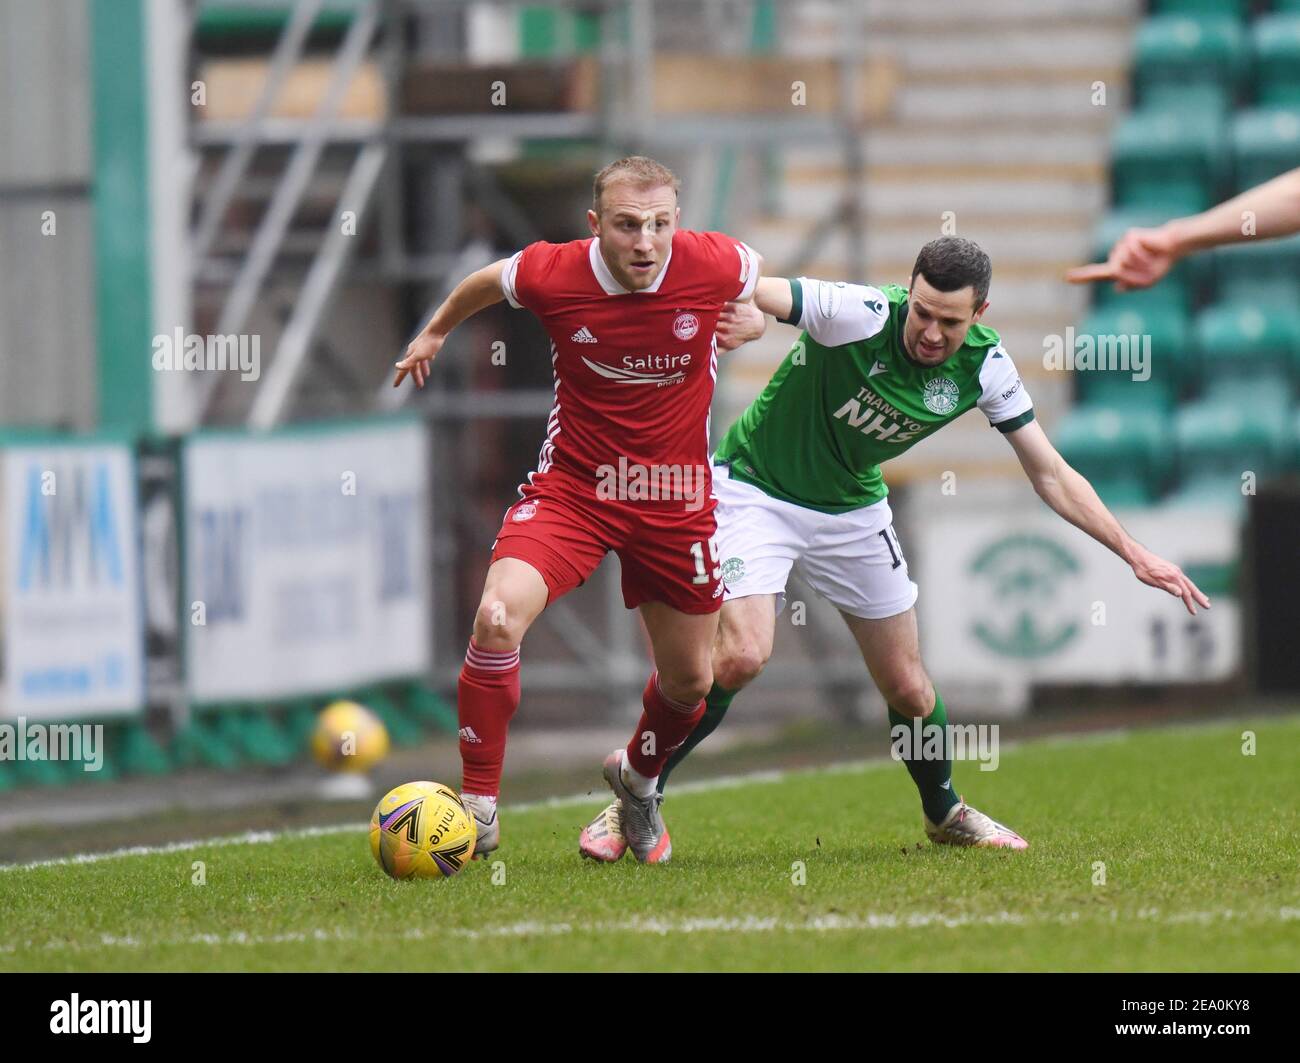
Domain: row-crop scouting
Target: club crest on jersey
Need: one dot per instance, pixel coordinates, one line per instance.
(527, 511)
(940, 395)
(685, 326)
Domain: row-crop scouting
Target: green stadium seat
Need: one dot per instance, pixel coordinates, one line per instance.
(1238, 427)
(262, 739)
(1247, 340)
(1167, 162)
(139, 752)
(1211, 491)
(1174, 291)
(1122, 491)
(1276, 44)
(431, 709)
(1265, 395)
(401, 728)
(299, 723)
(1262, 272)
(1126, 340)
(1238, 9)
(249, 23)
(43, 773)
(1265, 143)
(1124, 447)
(205, 742)
(1176, 57)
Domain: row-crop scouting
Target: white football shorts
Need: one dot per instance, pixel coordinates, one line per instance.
(852, 559)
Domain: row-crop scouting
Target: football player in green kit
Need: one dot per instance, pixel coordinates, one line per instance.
(798, 481)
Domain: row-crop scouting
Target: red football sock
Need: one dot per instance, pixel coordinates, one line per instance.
(670, 722)
(487, 696)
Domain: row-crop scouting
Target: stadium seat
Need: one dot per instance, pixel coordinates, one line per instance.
(401, 729)
(1211, 491)
(1238, 427)
(204, 743)
(1275, 42)
(244, 23)
(1265, 396)
(1262, 272)
(1123, 447)
(1248, 340)
(1265, 143)
(1167, 162)
(1120, 335)
(140, 754)
(1201, 8)
(1177, 58)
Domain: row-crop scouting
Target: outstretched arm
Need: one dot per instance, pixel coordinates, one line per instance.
(746, 320)
(1073, 498)
(480, 289)
(1142, 256)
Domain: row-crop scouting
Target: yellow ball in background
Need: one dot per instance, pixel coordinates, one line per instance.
(349, 737)
(422, 830)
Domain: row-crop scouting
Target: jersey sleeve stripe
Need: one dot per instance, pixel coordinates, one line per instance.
(1015, 422)
(508, 281)
(796, 304)
(749, 270)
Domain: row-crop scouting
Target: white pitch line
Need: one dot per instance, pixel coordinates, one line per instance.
(725, 782)
(664, 927)
(262, 837)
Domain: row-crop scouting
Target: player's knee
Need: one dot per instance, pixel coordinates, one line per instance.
(739, 665)
(687, 685)
(910, 695)
(498, 627)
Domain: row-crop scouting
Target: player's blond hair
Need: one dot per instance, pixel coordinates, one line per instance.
(640, 170)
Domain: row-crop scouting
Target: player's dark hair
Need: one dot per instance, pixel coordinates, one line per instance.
(951, 263)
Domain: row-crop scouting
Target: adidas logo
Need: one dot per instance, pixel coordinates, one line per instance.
(583, 335)
(467, 735)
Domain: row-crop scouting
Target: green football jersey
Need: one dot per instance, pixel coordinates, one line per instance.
(848, 397)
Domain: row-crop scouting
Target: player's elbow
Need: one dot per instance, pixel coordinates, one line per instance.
(1047, 485)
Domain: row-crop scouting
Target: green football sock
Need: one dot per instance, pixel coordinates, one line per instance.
(933, 777)
(716, 703)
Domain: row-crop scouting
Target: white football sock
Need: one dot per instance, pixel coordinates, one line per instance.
(641, 785)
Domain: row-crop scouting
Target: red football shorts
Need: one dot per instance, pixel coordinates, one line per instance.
(563, 530)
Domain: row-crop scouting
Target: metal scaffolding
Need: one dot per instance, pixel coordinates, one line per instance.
(421, 244)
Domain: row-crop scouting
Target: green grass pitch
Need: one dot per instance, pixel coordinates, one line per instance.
(1200, 846)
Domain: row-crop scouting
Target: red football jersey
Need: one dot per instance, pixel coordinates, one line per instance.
(634, 371)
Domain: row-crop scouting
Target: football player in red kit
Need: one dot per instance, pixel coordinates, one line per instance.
(625, 467)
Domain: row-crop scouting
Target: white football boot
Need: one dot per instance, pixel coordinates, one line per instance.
(484, 811)
(964, 825)
(643, 826)
(602, 839)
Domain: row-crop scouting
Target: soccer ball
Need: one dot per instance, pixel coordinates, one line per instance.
(349, 737)
(422, 830)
